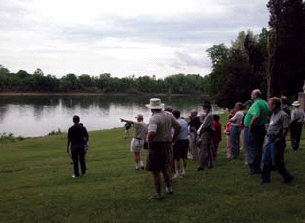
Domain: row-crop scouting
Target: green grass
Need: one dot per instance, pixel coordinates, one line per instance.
(36, 186)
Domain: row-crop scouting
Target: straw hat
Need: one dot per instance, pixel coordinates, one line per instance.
(296, 104)
(155, 103)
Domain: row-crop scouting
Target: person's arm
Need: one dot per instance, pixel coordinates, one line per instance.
(68, 146)
(86, 136)
(128, 121)
(253, 120)
(150, 138)
(285, 123)
(177, 128)
(292, 116)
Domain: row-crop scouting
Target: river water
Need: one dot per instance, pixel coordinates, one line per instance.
(31, 116)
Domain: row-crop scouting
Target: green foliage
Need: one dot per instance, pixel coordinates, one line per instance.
(55, 132)
(9, 137)
(236, 70)
(38, 82)
(287, 20)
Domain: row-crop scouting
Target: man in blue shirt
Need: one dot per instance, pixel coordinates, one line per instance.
(180, 146)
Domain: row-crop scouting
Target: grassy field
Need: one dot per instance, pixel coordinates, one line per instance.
(36, 186)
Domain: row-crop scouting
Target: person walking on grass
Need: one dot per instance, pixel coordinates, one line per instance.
(77, 139)
(159, 144)
(180, 147)
(296, 125)
(274, 149)
(137, 142)
(255, 130)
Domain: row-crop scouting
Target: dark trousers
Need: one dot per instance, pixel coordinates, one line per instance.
(78, 157)
(279, 147)
(234, 135)
(295, 134)
(254, 142)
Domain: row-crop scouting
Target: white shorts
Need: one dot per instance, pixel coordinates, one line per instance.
(136, 145)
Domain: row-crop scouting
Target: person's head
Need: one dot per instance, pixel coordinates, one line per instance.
(296, 104)
(247, 104)
(274, 104)
(76, 119)
(168, 108)
(206, 106)
(193, 113)
(256, 93)
(231, 114)
(139, 118)
(155, 105)
(176, 113)
(238, 106)
(216, 118)
(284, 100)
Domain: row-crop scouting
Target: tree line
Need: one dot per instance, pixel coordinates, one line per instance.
(23, 81)
(273, 61)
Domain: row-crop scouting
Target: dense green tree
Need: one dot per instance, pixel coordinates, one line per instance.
(287, 20)
(22, 74)
(238, 69)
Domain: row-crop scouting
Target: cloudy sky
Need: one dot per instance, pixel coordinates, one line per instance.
(140, 37)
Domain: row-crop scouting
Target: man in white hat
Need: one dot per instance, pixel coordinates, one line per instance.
(296, 125)
(159, 144)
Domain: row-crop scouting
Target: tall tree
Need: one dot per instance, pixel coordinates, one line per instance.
(287, 20)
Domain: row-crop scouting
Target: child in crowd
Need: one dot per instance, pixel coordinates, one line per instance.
(227, 132)
(216, 136)
(127, 127)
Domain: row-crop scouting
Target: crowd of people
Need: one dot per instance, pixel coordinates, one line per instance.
(257, 126)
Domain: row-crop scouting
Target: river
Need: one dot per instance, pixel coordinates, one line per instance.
(32, 116)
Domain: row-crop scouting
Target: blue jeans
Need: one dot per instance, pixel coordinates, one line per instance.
(78, 156)
(269, 152)
(254, 143)
(274, 150)
(234, 135)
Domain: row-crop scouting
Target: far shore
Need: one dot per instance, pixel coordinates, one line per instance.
(93, 94)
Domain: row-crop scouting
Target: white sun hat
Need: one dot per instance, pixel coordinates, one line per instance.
(155, 103)
(296, 104)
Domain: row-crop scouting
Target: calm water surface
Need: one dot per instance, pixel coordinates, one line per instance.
(31, 116)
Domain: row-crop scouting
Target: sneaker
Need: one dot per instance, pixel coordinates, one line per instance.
(74, 176)
(169, 190)
(177, 175)
(156, 197)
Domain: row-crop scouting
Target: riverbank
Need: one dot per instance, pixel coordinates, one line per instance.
(36, 186)
(97, 94)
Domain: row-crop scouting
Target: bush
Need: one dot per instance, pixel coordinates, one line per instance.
(9, 137)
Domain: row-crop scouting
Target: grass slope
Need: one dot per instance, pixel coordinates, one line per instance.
(36, 186)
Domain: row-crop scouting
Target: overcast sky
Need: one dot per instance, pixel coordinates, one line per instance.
(140, 37)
